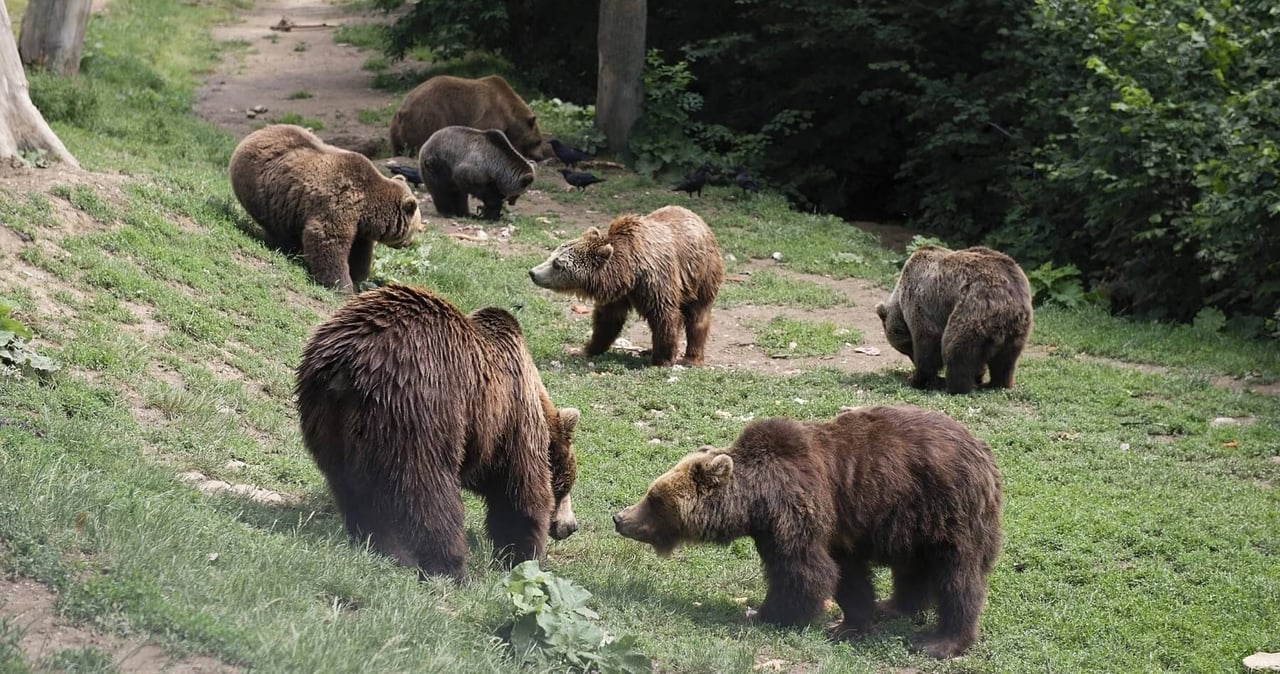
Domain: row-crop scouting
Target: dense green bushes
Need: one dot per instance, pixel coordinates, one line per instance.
(1134, 139)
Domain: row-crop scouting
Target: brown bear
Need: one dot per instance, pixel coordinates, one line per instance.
(824, 501)
(968, 310)
(404, 401)
(457, 161)
(485, 103)
(327, 204)
(665, 265)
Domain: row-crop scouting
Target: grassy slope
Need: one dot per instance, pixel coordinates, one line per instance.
(1138, 537)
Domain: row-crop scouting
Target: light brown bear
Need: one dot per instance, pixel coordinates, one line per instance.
(485, 103)
(967, 310)
(327, 204)
(824, 501)
(404, 401)
(665, 265)
(457, 161)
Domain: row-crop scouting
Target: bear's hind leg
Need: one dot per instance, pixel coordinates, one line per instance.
(960, 588)
(517, 536)
(911, 588)
(325, 247)
(1003, 363)
(926, 352)
(431, 533)
(697, 327)
(665, 327)
(606, 324)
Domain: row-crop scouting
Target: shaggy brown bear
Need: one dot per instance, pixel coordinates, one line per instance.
(665, 265)
(404, 401)
(485, 103)
(457, 161)
(327, 204)
(968, 310)
(824, 501)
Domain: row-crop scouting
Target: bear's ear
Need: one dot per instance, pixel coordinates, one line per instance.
(882, 310)
(533, 121)
(400, 178)
(409, 205)
(605, 252)
(591, 233)
(569, 419)
(706, 448)
(715, 472)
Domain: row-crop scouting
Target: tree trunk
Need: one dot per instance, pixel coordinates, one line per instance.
(53, 35)
(619, 92)
(22, 128)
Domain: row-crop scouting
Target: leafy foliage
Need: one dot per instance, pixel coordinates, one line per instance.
(1060, 285)
(551, 625)
(16, 354)
(571, 123)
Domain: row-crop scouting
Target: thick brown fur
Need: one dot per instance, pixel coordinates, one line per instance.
(328, 204)
(457, 161)
(404, 400)
(967, 310)
(665, 265)
(484, 103)
(824, 501)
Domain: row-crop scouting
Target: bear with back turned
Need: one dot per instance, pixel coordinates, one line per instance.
(665, 265)
(404, 401)
(327, 204)
(458, 161)
(902, 487)
(484, 103)
(967, 310)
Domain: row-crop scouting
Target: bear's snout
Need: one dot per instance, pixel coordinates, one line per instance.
(617, 521)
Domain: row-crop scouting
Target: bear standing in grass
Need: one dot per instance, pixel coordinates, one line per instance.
(968, 310)
(404, 401)
(327, 204)
(484, 103)
(457, 161)
(824, 501)
(665, 265)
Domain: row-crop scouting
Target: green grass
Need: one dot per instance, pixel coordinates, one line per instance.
(1139, 537)
(363, 35)
(782, 337)
(295, 118)
(376, 116)
(299, 95)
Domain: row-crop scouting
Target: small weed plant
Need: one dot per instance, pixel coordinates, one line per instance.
(551, 625)
(16, 354)
(1057, 285)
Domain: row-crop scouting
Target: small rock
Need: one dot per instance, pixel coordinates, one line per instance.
(579, 308)
(730, 258)
(555, 365)
(799, 401)
(236, 464)
(777, 256)
(867, 350)
(791, 346)
(1263, 662)
(258, 109)
(213, 557)
(1224, 421)
(655, 441)
(1124, 446)
(250, 114)
(723, 414)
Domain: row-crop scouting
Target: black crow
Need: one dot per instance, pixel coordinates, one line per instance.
(744, 179)
(410, 174)
(569, 155)
(693, 182)
(579, 180)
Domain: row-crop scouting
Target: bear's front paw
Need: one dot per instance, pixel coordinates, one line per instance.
(938, 647)
(843, 631)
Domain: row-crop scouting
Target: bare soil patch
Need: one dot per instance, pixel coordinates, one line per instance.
(30, 607)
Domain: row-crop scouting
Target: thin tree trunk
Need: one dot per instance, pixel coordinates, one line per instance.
(53, 35)
(619, 90)
(22, 127)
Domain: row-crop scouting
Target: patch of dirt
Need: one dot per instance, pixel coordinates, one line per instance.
(305, 59)
(29, 607)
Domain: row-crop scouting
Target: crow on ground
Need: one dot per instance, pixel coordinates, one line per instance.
(746, 181)
(569, 155)
(693, 182)
(579, 180)
(410, 173)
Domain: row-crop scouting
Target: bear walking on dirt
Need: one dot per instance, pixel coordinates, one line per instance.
(968, 310)
(404, 401)
(327, 204)
(457, 161)
(665, 265)
(484, 103)
(824, 501)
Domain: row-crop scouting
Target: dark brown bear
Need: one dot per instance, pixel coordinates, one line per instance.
(457, 161)
(968, 310)
(485, 103)
(824, 501)
(327, 204)
(665, 265)
(404, 400)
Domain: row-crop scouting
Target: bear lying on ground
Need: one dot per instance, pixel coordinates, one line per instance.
(968, 310)
(404, 401)
(457, 161)
(485, 103)
(327, 204)
(824, 501)
(665, 265)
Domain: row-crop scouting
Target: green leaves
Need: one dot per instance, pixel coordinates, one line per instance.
(551, 625)
(16, 355)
